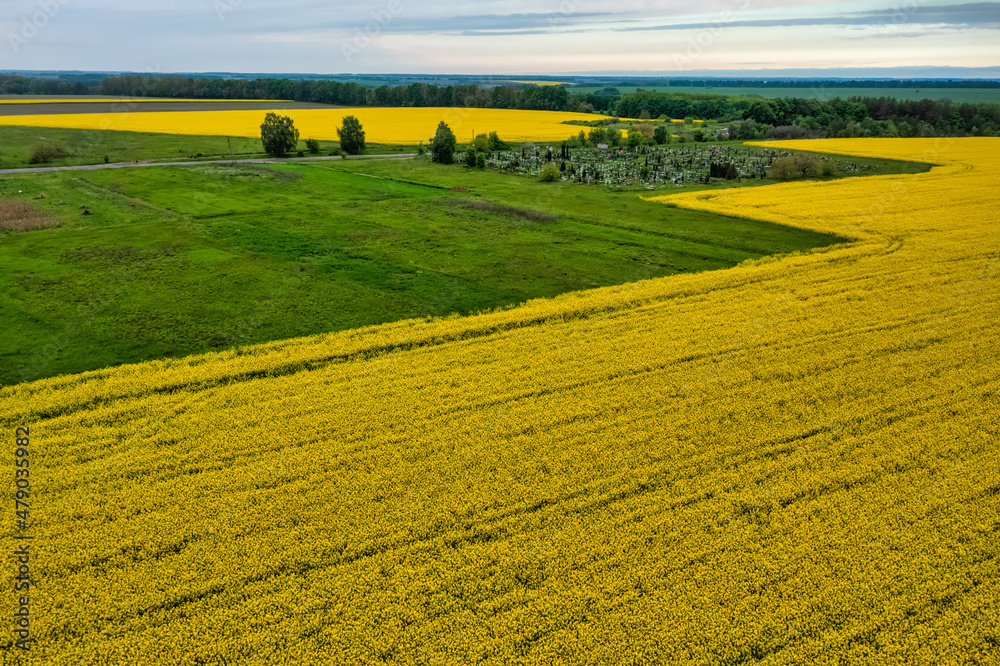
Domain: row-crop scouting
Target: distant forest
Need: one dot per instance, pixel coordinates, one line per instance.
(774, 118)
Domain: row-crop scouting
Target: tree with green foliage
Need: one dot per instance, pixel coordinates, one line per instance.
(480, 160)
(352, 136)
(634, 138)
(597, 135)
(763, 111)
(443, 144)
(481, 143)
(470, 157)
(313, 146)
(660, 134)
(496, 143)
(278, 134)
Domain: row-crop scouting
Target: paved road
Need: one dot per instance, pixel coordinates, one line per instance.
(262, 160)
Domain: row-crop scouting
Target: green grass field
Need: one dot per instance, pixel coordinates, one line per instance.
(91, 146)
(959, 95)
(181, 260)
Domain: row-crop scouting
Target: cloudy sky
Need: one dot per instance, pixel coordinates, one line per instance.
(493, 36)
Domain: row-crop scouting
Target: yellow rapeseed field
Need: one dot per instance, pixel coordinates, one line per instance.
(794, 461)
(402, 126)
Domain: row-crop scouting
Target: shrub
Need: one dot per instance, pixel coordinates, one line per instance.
(550, 173)
(313, 146)
(496, 143)
(787, 132)
(808, 165)
(784, 168)
(480, 160)
(46, 151)
(470, 157)
(481, 143)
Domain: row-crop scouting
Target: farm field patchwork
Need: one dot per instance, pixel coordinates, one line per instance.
(957, 95)
(790, 461)
(178, 260)
(399, 126)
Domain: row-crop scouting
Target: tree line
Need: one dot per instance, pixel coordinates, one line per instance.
(811, 83)
(854, 116)
(539, 98)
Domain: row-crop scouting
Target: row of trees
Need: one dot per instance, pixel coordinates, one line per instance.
(541, 98)
(909, 118)
(22, 85)
(854, 116)
(280, 136)
(879, 116)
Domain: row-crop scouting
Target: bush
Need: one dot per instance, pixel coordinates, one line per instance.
(597, 135)
(278, 134)
(550, 173)
(808, 165)
(351, 135)
(480, 160)
(496, 143)
(792, 132)
(800, 164)
(45, 152)
(660, 134)
(313, 146)
(784, 168)
(470, 157)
